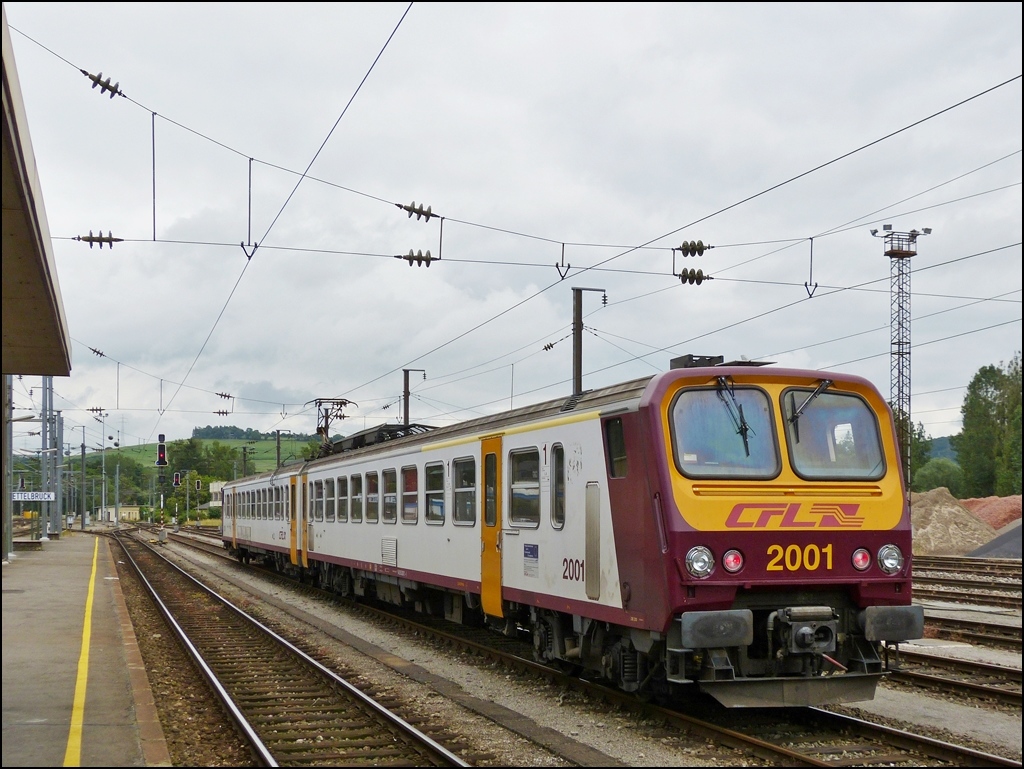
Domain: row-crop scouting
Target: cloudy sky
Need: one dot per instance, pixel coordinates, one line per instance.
(561, 146)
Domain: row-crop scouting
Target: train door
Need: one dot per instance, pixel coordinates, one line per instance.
(490, 532)
(233, 507)
(296, 528)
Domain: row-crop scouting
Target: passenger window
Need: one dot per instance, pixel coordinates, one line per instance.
(343, 499)
(410, 495)
(615, 444)
(318, 500)
(434, 492)
(557, 486)
(372, 498)
(490, 490)
(464, 483)
(390, 478)
(524, 471)
(329, 499)
(277, 503)
(355, 485)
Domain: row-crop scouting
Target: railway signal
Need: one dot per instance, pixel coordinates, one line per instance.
(161, 452)
(177, 480)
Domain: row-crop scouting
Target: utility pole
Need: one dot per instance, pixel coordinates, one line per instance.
(85, 507)
(900, 247)
(577, 336)
(405, 393)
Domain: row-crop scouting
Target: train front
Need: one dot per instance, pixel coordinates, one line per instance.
(787, 531)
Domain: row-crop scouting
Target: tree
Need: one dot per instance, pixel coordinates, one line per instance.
(939, 472)
(988, 446)
(920, 443)
(1008, 459)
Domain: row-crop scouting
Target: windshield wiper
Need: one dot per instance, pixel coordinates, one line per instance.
(794, 418)
(735, 410)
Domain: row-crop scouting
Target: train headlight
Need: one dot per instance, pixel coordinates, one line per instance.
(732, 561)
(861, 559)
(699, 561)
(890, 559)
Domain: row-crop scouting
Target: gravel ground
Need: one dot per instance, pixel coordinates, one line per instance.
(618, 736)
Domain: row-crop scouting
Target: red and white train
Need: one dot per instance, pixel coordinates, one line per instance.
(740, 528)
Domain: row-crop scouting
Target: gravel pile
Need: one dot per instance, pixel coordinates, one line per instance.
(943, 526)
(997, 512)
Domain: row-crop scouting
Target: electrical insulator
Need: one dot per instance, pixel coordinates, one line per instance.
(221, 413)
(419, 210)
(109, 239)
(103, 84)
(419, 258)
(604, 300)
(177, 480)
(549, 346)
(693, 248)
(693, 276)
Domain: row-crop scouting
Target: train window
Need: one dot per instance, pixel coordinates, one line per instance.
(410, 495)
(328, 499)
(558, 486)
(524, 472)
(832, 435)
(464, 482)
(724, 432)
(390, 480)
(343, 499)
(490, 490)
(355, 502)
(433, 495)
(277, 503)
(318, 500)
(615, 444)
(372, 498)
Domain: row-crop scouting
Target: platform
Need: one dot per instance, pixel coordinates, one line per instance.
(75, 690)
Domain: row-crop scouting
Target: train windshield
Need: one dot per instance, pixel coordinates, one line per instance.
(724, 433)
(832, 435)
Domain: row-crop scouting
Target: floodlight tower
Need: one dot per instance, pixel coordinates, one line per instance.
(900, 247)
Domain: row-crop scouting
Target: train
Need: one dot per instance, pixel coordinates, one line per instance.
(735, 528)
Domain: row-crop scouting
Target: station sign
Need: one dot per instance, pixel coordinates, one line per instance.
(34, 496)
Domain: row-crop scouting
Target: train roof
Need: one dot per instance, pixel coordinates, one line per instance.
(626, 395)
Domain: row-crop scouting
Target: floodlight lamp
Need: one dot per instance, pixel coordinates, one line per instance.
(927, 230)
(874, 232)
(887, 227)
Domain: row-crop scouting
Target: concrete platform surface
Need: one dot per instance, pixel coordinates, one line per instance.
(75, 690)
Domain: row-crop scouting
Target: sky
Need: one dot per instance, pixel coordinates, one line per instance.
(255, 159)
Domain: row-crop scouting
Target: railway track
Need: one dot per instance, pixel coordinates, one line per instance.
(290, 708)
(994, 567)
(808, 737)
(974, 596)
(988, 634)
(964, 677)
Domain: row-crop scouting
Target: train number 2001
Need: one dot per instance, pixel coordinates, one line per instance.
(794, 558)
(572, 568)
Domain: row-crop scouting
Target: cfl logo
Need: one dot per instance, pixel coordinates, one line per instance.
(774, 515)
